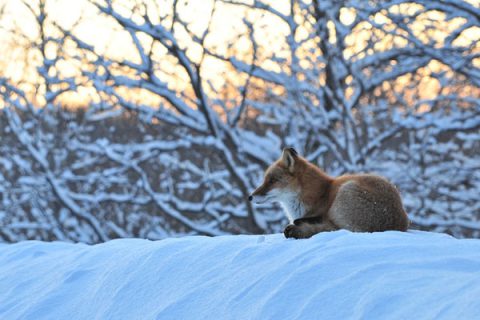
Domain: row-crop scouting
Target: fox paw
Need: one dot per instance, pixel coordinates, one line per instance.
(292, 231)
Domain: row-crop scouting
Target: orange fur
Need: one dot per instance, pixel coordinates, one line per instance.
(316, 202)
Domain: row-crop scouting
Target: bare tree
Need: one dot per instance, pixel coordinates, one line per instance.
(161, 149)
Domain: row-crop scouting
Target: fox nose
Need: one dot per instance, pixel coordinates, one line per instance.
(250, 198)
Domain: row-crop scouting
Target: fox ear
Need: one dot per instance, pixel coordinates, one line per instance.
(289, 156)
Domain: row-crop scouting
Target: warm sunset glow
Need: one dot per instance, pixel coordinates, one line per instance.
(226, 26)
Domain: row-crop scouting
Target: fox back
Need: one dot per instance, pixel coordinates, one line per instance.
(315, 202)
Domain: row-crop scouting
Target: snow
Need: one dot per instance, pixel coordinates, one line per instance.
(339, 275)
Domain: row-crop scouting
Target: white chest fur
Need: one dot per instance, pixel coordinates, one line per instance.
(292, 206)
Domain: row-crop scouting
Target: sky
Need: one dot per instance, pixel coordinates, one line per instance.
(107, 36)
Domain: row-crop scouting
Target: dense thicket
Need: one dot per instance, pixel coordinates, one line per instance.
(177, 130)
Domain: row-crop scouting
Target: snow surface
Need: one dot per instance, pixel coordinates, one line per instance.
(334, 275)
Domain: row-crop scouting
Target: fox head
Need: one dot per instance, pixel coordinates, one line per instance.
(280, 182)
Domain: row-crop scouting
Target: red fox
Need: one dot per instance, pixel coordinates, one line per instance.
(315, 202)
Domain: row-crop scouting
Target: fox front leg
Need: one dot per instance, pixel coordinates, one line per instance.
(306, 230)
(310, 220)
(291, 231)
(298, 232)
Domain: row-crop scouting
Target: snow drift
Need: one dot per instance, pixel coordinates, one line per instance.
(332, 275)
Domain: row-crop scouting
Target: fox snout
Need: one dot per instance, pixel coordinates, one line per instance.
(260, 195)
(258, 198)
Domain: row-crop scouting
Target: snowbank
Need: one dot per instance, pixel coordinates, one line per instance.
(338, 275)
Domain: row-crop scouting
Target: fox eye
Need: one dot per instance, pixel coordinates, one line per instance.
(273, 179)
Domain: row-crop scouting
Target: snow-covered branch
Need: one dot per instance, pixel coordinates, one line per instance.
(177, 130)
